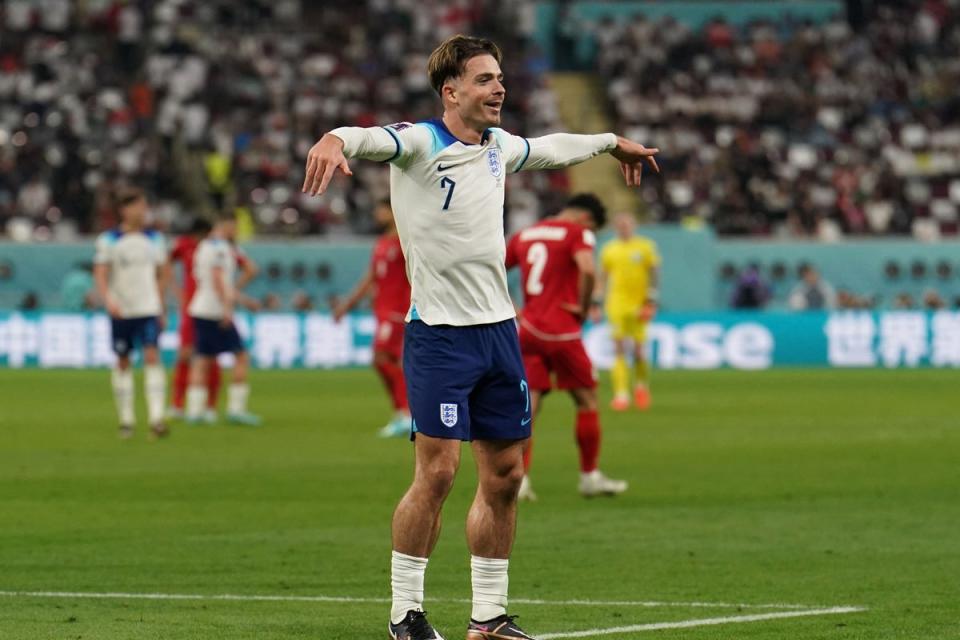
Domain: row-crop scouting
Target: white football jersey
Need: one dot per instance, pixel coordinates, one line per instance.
(211, 253)
(133, 258)
(447, 197)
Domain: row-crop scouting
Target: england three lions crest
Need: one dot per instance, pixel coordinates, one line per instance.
(448, 414)
(493, 161)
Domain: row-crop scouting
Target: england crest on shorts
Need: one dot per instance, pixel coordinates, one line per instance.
(448, 414)
(493, 161)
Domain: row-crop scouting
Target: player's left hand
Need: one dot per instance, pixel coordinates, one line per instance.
(632, 155)
(323, 160)
(647, 311)
(575, 310)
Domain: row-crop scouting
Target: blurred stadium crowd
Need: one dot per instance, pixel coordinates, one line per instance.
(797, 129)
(215, 103)
(787, 129)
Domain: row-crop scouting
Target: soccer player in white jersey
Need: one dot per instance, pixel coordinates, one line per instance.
(465, 376)
(131, 270)
(211, 310)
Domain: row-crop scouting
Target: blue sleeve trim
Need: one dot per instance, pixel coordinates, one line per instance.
(399, 146)
(525, 156)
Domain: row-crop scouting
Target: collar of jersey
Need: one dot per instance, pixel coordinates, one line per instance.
(448, 138)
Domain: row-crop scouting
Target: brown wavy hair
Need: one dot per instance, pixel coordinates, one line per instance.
(450, 58)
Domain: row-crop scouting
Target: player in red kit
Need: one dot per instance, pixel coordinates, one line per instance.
(555, 257)
(387, 279)
(182, 252)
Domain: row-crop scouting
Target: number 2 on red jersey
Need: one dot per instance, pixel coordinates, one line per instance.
(537, 256)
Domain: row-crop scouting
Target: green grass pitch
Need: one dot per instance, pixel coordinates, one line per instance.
(814, 488)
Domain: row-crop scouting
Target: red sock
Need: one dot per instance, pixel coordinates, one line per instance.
(588, 439)
(181, 378)
(527, 455)
(213, 384)
(392, 376)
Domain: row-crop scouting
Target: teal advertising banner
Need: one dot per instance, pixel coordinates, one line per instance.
(675, 340)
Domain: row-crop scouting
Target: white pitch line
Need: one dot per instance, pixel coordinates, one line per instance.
(703, 622)
(294, 598)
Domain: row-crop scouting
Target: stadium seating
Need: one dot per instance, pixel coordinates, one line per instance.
(215, 104)
(795, 128)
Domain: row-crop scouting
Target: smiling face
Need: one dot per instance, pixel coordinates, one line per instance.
(477, 95)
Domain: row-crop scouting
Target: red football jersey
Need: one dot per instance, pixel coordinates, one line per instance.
(183, 250)
(550, 275)
(391, 299)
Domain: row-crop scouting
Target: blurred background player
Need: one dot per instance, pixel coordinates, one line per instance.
(211, 311)
(387, 280)
(630, 276)
(555, 257)
(183, 252)
(130, 270)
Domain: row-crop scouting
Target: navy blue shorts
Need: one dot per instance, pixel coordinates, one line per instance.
(212, 338)
(466, 383)
(127, 334)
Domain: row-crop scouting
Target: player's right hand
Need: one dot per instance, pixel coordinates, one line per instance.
(632, 156)
(112, 308)
(338, 313)
(323, 160)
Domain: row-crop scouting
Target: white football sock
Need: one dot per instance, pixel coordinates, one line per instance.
(155, 385)
(406, 581)
(196, 401)
(237, 396)
(490, 582)
(122, 382)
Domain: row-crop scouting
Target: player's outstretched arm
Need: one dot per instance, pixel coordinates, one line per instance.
(397, 143)
(558, 150)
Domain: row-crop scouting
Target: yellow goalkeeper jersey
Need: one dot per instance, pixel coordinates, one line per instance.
(628, 264)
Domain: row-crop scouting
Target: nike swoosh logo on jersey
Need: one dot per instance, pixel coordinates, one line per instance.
(440, 167)
(524, 423)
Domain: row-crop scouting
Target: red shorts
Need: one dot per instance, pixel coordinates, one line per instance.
(565, 358)
(187, 331)
(389, 337)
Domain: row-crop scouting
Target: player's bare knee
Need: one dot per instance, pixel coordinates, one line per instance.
(503, 483)
(123, 363)
(151, 357)
(436, 480)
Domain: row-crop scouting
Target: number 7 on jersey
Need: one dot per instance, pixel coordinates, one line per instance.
(444, 183)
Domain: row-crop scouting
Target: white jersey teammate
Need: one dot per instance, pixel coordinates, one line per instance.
(130, 270)
(211, 309)
(462, 360)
